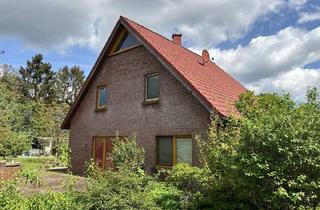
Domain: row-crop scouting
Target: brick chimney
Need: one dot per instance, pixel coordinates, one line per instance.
(205, 56)
(177, 38)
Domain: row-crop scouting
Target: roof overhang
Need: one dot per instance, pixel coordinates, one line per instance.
(67, 120)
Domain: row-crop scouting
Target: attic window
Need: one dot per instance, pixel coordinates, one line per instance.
(126, 42)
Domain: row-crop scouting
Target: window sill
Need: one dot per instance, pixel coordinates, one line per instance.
(164, 167)
(153, 101)
(102, 109)
(124, 50)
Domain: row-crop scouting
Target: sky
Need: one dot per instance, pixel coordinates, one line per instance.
(267, 45)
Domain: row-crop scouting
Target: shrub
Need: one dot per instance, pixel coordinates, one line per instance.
(166, 196)
(127, 155)
(10, 198)
(31, 176)
(53, 201)
(267, 158)
(91, 169)
(194, 182)
(63, 154)
(70, 183)
(188, 178)
(117, 190)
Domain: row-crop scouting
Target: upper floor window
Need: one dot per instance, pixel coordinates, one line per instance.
(101, 97)
(152, 87)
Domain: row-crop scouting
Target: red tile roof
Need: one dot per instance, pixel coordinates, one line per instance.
(213, 84)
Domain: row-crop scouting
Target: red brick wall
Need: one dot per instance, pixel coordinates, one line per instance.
(8, 172)
(178, 112)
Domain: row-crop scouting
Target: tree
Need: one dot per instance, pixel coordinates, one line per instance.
(9, 77)
(269, 156)
(38, 80)
(68, 83)
(12, 140)
(77, 80)
(63, 84)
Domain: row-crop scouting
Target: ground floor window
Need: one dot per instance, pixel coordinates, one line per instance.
(101, 151)
(174, 149)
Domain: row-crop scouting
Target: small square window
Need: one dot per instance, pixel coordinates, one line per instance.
(101, 97)
(152, 87)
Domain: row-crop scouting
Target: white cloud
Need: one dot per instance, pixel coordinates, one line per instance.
(59, 24)
(297, 3)
(305, 17)
(267, 56)
(47, 24)
(295, 81)
(276, 62)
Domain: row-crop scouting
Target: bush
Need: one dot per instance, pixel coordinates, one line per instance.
(63, 154)
(13, 140)
(194, 182)
(127, 155)
(53, 201)
(10, 198)
(188, 178)
(31, 176)
(91, 169)
(166, 196)
(269, 157)
(118, 190)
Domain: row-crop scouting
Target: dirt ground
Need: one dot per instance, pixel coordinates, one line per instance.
(54, 181)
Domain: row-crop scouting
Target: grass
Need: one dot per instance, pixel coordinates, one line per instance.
(35, 163)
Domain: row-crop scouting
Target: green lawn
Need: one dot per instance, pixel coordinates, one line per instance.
(35, 163)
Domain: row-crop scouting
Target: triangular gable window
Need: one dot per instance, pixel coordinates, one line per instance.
(128, 41)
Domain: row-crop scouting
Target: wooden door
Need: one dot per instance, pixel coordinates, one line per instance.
(102, 148)
(108, 150)
(98, 151)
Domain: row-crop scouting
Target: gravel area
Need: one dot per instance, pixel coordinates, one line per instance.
(54, 181)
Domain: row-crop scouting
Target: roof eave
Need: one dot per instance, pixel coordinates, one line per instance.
(67, 120)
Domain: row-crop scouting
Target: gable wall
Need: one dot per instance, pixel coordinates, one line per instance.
(178, 112)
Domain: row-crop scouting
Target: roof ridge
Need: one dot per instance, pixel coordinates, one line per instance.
(125, 18)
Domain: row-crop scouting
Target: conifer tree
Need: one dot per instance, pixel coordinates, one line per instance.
(37, 80)
(69, 82)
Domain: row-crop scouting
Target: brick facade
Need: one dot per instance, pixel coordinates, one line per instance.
(177, 113)
(8, 171)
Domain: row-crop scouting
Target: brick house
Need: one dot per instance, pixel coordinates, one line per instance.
(146, 84)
